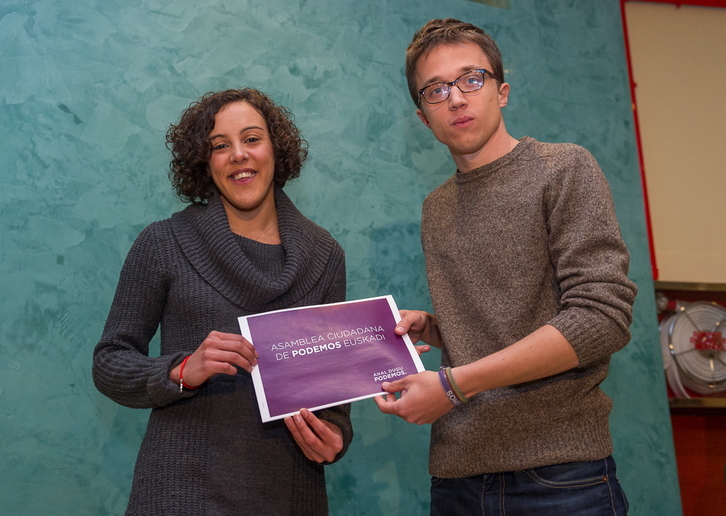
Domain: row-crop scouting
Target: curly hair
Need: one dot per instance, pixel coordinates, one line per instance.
(450, 30)
(191, 150)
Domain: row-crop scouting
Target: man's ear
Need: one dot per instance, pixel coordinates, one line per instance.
(422, 117)
(503, 94)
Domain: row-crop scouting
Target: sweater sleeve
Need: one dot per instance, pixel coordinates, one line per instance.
(122, 367)
(590, 259)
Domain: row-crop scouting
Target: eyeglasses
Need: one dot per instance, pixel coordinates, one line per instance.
(469, 82)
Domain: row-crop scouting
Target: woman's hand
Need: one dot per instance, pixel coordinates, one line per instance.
(320, 440)
(219, 353)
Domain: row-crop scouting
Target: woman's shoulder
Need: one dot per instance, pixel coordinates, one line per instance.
(294, 223)
(320, 238)
(154, 238)
(157, 229)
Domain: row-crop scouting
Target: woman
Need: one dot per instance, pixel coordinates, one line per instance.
(240, 248)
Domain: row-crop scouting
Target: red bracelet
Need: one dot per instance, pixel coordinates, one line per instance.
(182, 383)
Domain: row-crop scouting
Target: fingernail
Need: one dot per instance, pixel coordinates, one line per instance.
(385, 384)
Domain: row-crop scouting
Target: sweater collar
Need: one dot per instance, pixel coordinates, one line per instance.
(204, 235)
(524, 144)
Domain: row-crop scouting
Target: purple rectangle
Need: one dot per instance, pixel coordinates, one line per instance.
(325, 355)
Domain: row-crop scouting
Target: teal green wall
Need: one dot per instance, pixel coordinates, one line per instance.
(87, 90)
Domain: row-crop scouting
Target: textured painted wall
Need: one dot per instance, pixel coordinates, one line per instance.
(87, 90)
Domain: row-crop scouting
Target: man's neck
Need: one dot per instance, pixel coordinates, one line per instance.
(499, 145)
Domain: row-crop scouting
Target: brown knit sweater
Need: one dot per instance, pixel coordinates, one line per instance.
(206, 451)
(528, 240)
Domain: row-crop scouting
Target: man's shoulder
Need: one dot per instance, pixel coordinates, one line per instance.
(558, 159)
(442, 191)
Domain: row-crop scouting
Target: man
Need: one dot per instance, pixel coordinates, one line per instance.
(528, 278)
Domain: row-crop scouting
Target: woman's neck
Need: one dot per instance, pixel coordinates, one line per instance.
(260, 226)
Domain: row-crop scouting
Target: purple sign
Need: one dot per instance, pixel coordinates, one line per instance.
(320, 356)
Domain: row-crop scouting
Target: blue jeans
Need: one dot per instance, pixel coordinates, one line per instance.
(573, 489)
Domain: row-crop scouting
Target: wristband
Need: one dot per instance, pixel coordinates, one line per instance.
(182, 383)
(447, 387)
(455, 388)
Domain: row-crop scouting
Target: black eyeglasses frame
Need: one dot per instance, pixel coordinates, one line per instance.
(483, 71)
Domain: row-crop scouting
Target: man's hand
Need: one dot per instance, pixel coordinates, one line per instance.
(420, 326)
(422, 400)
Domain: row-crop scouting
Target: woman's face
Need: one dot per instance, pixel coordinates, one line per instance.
(242, 164)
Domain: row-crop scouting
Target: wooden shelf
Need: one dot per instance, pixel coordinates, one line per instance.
(690, 287)
(697, 405)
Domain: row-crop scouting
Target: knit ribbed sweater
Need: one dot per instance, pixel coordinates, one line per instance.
(527, 240)
(206, 451)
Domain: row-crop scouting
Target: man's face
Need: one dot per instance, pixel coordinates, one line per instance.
(469, 124)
